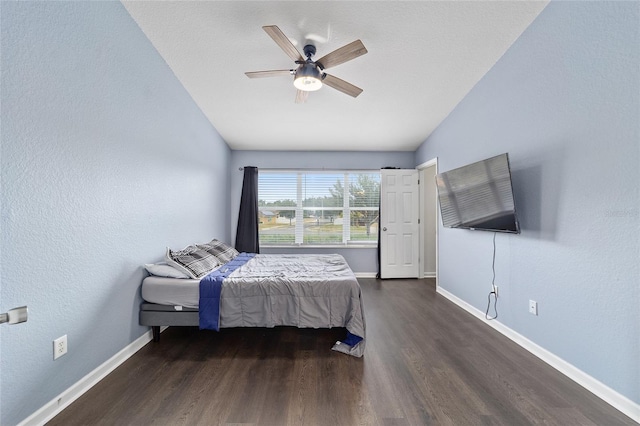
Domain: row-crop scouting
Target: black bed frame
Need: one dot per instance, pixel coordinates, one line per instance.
(156, 316)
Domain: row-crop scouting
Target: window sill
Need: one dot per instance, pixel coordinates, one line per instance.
(316, 246)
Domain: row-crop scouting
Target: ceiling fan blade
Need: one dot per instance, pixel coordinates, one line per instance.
(342, 55)
(270, 73)
(281, 40)
(301, 96)
(341, 85)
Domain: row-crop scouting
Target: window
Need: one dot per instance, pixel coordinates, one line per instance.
(318, 208)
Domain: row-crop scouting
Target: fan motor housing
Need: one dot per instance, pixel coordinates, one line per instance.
(309, 50)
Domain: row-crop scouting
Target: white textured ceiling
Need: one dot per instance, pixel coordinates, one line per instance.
(423, 58)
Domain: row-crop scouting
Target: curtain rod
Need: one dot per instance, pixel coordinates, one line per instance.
(311, 170)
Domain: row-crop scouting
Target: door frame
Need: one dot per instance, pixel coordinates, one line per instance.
(421, 168)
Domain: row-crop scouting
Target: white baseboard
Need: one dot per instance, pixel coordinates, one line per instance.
(374, 274)
(365, 274)
(62, 401)
(616, 400)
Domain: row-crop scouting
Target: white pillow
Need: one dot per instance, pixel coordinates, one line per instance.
(164, 270)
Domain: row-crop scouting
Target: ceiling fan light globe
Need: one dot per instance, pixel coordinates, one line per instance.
(307, 83)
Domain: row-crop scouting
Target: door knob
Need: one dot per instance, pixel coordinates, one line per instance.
(384, 228)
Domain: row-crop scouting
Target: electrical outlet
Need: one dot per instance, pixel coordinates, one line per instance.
(533, 307)
(59, 347)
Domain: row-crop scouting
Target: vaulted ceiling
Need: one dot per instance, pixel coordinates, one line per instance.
(423, 58)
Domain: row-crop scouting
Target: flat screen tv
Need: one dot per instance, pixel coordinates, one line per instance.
(479, 196)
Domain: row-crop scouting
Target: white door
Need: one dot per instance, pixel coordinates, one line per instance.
(399, 212)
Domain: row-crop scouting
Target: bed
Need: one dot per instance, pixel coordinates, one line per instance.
(262, 290)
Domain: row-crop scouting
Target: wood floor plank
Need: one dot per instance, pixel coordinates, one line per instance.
(427, 362)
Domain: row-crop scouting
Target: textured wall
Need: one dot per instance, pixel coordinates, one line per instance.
(106, 160)
(564, 101)
(359, 259)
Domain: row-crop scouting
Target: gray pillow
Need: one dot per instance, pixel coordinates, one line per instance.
(219, 249)
(192, 260)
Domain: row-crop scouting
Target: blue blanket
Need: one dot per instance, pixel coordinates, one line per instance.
(210, 289)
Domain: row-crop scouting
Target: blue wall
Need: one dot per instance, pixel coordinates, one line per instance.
(106, 160)
(564, 101)
(361, 260)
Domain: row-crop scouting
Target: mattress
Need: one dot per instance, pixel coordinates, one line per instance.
(171, 291)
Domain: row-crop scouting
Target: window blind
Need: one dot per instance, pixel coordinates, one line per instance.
(299, 207)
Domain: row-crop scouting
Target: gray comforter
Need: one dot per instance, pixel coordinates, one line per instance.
(307, 291)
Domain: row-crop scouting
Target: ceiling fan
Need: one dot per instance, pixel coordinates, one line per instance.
(309, 75)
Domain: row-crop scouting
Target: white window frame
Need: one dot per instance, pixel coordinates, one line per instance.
(300, 209)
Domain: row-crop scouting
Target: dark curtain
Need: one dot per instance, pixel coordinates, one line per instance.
(247, 232)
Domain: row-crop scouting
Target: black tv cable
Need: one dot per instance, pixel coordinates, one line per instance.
(493, 287)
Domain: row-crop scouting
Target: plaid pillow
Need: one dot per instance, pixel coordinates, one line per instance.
(222, 251)
(193, 261)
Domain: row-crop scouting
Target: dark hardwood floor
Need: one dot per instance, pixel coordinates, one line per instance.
(427, 362)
